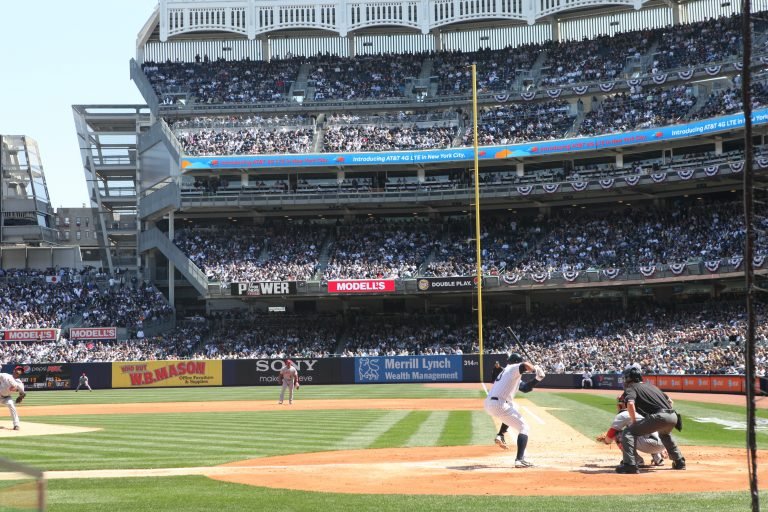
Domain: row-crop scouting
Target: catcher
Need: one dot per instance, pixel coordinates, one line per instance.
(649, 443)
(10, 384)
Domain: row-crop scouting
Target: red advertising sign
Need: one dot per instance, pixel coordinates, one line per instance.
(31, 334)
(361, 286)
(734, 384)
(697, 383)
(93, 333)
(669, 382)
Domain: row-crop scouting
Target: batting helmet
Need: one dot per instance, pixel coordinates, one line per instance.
(19, 370)
(514, 357)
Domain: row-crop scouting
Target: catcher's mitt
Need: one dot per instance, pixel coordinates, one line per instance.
(20, 397)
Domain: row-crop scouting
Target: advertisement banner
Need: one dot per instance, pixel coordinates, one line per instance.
(93, 333)
(38, 377)
(427, 284)
(669, 382)
(31, 334)
(607, 381)
(697, 383)
(408, 369)
(264, 372)
(166, 374)
(263, 288)
(729, 384)
(361, 286)
(486, 153)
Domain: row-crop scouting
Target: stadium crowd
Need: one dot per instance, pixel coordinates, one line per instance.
(30, 299)
(683, 231)
(682, 338)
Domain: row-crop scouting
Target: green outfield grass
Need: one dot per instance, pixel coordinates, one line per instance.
(160, 440)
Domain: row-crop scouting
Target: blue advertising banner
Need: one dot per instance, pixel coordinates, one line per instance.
(549, 147)
(386, 369)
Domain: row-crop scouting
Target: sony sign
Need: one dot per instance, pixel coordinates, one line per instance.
(276, 365)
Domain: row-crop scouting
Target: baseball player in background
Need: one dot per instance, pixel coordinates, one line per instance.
(499, 403)
(11, 384)
(83, 383)
(289, 378)
(649, 443)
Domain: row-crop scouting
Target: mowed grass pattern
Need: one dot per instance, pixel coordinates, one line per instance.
(128, 441)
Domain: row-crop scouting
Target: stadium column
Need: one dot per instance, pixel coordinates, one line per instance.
(619, 160)
(171, 266)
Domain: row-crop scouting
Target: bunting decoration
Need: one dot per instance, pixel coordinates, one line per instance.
(632, 180)
(686, 75)
(737, 66)
(551, 188)
(758, 260)
(501, 98)
(735, 261)
(525, 189)
(571, 275)
(676, 268)
(540, 277)
(607, 183)
(686, 174)
(607, 87)
(580, 89)
(611, 273)
(554, 93)
(528, 95)
(658, 177)
(711, 170)
(659, 79)
(578, 186)
(713, 70)
(762, 162)
(736, 167)
(511, 278)
(713, 266)
(648, 270)
(634, 82)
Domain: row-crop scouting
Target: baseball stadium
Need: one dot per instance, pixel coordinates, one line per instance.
(343, 246)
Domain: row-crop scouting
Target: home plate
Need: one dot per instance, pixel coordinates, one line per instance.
(40, 429)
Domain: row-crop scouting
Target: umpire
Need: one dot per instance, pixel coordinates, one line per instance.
(658, 415)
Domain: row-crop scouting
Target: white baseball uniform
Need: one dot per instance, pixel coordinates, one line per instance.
(8, 385)
(499, 402)
(289, 377)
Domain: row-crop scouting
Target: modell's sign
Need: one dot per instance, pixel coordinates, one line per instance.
(446, 283)
(31, 334)
(257, 289)
(93, 333)
(361, 286)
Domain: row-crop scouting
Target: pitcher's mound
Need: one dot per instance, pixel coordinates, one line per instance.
(40, 429)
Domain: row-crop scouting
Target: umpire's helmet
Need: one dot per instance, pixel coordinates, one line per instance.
(633, 374)
(514, 357)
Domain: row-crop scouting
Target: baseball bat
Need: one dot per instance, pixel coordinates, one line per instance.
(516, 339)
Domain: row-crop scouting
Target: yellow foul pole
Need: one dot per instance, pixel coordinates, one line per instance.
(477, 223)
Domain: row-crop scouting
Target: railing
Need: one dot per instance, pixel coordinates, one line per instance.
(155, 239)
